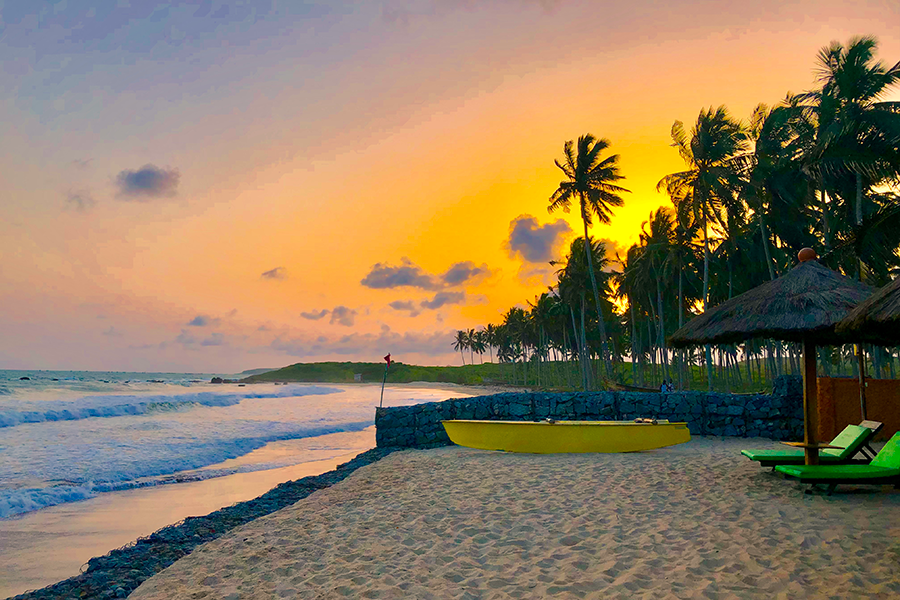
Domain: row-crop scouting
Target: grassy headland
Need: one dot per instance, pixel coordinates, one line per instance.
(336, 372)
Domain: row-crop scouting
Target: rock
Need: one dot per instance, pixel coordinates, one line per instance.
(24, 378)
(217, 380)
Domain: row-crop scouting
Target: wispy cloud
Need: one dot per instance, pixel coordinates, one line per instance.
(465, 273)
(315, 315)
(442, 299)
(202, 321)
(383, 276)
(406, 306)
(148, 182)
(215, 339)
(341, 315)
(80, 200)
(430, 343)
(407, 274)
(277, 273)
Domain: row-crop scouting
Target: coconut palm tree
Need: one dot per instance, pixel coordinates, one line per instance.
(460, 343)
(867, 127)
(590, 180)
(714, 154)
(656, 237)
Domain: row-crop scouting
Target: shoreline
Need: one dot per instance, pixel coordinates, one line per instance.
(121, 571)
(46, 546)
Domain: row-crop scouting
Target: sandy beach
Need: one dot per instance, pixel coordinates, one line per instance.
(692, 521)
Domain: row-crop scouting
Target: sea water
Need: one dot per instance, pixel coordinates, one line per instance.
(69, 436)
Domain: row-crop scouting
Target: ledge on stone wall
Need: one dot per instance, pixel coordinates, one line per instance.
(775, 416)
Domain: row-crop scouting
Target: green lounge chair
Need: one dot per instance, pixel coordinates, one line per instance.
(853, 439)
(884, 469)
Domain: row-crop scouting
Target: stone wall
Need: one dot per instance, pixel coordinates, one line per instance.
(777, 416)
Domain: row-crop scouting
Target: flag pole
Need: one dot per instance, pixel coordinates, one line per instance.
(384, 379)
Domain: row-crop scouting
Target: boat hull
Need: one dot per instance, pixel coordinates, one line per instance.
(565, 436)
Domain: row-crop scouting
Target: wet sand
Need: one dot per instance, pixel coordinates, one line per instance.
(49, 545)
(693, 521)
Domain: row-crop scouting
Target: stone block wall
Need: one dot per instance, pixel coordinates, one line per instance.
(776, 416)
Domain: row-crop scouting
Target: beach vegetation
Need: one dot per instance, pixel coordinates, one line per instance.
(819, 169)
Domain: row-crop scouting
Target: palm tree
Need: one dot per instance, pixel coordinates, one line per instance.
(490, 338)
(657, 241)
(590, 180)
(715, 158)
(867, 127)
(460, 343)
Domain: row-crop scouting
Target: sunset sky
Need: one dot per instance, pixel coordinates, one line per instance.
(216, 186)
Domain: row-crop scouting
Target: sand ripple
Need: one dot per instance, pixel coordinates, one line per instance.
(692, 521)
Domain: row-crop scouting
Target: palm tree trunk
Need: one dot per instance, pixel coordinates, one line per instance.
(585, 350)
(566, 353)
(859, 199)
(709, 378)
(765, 241)
(604, 354)
(577, 343)
(633, 342)
(826, 230)
(680, 321)
(662, 329)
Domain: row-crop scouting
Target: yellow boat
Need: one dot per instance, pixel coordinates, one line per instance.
(550, 437)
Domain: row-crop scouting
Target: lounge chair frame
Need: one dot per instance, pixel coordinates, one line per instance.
(865, 449)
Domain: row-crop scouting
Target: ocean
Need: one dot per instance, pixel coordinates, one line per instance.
(66, 436)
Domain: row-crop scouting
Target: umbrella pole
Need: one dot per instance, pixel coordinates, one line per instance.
(861, 359)
(810, 403)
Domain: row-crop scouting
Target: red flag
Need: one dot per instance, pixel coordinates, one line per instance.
(388, 359)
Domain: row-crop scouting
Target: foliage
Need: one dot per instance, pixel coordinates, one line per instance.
(819, 169)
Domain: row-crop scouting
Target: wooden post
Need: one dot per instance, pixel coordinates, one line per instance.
(810, 403)
(861, 358)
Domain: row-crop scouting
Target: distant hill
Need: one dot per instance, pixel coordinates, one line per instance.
(249, 372)
(335, 372)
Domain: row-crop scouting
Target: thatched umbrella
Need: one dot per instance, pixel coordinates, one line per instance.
(877, 321)
(803, 305)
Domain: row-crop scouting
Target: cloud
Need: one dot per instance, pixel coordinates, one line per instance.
(184, 338)
(276, 273)
(536, 243)
(147, 182)
(383, 276)
(443, 298)
(216, 339)
(82, 200)
(406, 306)
(112, 332)
(536, 274)
(202, 321)
(315, 315)
(612, 248)
(465, 272)
(82, 163)
(343, 316)
(430, 343)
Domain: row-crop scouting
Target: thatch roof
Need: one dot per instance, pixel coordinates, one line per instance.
(806, 302)
(877, 319)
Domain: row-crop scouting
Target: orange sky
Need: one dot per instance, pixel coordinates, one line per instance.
(326, 141)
